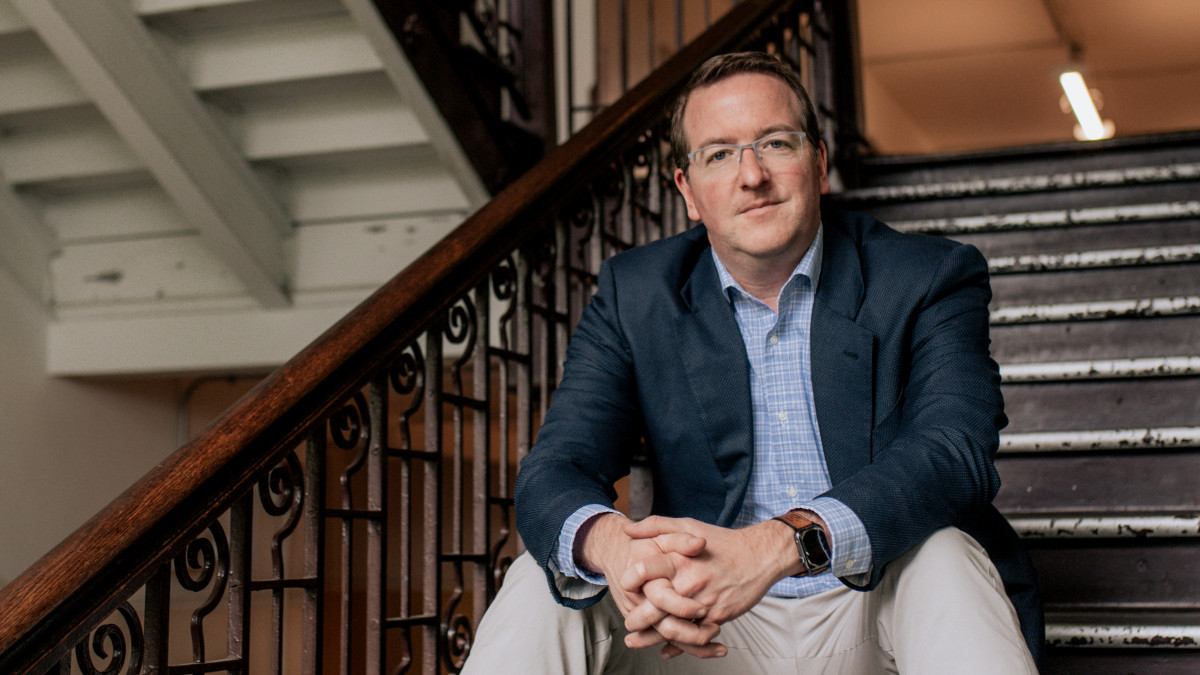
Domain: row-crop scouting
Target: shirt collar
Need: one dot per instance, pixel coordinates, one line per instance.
(809, 266)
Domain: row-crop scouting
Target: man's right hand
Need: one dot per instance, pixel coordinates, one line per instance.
(677, 619)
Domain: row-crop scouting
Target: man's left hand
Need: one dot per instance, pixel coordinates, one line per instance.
(730, 576)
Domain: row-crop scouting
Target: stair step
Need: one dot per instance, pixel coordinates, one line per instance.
(1130, 573)
(1085, 260)
(1096, 311)
(1057, 218)
(1103, 404)
(1142, 234)
(1122, 196)
(1119, 338)
(1151, 481)
(1096, 285)
(1013, 185)
(1122, 641)
(1072, 157)
(1101, 440)
(1162, 366)
(1106, 526)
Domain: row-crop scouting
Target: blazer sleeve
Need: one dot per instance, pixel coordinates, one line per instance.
(932, 454)
(585, 443)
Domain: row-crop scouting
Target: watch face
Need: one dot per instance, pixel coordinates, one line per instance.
(814, 546)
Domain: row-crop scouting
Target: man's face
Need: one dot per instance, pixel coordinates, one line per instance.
(755, 215)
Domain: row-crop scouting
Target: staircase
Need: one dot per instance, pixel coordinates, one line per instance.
(1095, 259)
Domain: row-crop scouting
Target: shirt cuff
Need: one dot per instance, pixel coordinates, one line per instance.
(851, 547)
(562, 555)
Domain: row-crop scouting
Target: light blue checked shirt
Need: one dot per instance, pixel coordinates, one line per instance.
(788, 471)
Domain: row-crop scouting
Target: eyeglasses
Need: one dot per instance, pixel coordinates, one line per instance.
(775, 150)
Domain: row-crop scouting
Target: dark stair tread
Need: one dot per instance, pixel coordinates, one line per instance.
(1103, 404)
(1095, 285)
(1157, 489)
(1132, 336)
(1050, 218)
(1126, 575)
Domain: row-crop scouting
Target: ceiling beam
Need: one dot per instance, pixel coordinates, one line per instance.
(216, 342)
(28, 244)
(139, 89)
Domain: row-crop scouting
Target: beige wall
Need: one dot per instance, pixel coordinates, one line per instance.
(68, 447)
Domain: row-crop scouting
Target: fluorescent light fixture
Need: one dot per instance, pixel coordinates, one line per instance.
(1090, 126)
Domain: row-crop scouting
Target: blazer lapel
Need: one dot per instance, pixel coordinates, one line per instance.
(718, 371)
(843, 358)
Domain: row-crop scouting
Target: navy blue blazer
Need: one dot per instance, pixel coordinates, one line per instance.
(907, 397)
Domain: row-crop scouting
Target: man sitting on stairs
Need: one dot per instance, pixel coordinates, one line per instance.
(821, 415)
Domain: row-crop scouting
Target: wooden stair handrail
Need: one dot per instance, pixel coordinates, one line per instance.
(53, 604)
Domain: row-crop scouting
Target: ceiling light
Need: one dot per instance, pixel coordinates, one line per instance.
(1090, 128)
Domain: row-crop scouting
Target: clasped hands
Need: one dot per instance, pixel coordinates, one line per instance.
(676, 580)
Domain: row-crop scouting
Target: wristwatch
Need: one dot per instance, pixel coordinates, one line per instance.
(810, 542)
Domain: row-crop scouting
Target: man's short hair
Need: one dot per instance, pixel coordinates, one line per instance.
(727, 65)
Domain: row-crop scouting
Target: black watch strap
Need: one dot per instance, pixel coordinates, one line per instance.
(811, 543)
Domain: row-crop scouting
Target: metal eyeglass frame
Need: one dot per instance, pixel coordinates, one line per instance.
(739, 150)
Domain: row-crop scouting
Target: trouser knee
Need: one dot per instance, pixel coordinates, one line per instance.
(525, 630)
(950, 556)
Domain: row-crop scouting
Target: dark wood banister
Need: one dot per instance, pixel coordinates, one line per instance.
(52, 605)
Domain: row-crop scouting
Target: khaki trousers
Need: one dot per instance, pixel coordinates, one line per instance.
(940, 608)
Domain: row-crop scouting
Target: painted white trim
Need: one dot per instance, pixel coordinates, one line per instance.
(1166, 637)
(1114, 525)
(1095, 311)
(1087, 440)
(234, 341)
(1100, 369)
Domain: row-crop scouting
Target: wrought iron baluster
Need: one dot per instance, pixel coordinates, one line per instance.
(431, 501)
(461, 328)
(541, 253)
(350, 430)
(560, 305)
(376, 599)
(241, 534)
(312, 631)
(157, 609)
(406, 376)
(506, 289)
(481, 430)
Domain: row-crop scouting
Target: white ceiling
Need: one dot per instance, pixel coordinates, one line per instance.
(206, 185)
(950, 75)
